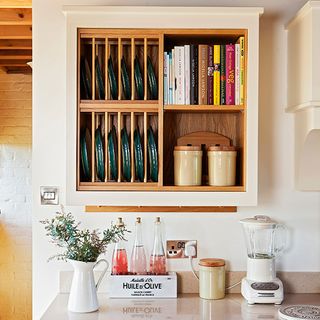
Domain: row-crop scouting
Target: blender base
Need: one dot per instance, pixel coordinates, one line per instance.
(262, 292)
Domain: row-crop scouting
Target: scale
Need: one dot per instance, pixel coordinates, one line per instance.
(265, 239)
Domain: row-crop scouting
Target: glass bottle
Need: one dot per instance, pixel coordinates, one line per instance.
(138, 256)
(119, 258)
(158, 257)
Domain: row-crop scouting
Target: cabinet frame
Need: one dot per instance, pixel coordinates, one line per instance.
(209, 19)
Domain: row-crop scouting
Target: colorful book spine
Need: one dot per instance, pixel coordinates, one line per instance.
(165, 78)
(179, 74)
(173, 78)
(242, 52)
(194, 74)
(170, 79)
(216, 75)
(187, 73)
(210, 76)
(222, 74)
(237, 74)
(230, 74)
(203, 71)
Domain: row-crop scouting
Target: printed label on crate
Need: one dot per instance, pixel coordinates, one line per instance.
(143, 286)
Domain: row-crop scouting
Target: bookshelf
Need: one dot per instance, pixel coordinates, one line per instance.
(138, 109)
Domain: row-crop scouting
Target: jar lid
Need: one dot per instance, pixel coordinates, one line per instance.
(212, 262)
(222, 148)
(187, 148)
(259, 220)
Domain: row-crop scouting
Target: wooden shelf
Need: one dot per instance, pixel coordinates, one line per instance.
(127, 186)
(160, 209)
(154, 186)
(202, 108)
(122, 106)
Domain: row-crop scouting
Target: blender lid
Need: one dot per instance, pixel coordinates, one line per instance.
(259, 220)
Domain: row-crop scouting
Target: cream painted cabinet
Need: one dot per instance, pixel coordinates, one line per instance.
(303, 95)
(102, 39)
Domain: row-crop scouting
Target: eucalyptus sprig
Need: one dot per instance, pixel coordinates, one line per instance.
(80, 244)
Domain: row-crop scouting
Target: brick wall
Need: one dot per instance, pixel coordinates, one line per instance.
(15, 196)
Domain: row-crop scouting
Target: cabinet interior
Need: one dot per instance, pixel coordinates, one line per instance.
(99, 107)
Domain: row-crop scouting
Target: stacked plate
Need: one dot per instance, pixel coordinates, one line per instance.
(86, 89)
(138, 155)
(153, 156)
(86, 152)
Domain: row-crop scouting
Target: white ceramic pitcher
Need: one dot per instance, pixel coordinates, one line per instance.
(83, 293)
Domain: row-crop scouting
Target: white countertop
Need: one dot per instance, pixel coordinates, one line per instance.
(186, 307)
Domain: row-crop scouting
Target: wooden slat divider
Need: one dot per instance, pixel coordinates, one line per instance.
(145, 55)
(132, 119)
(138, 41)
(93, 126)
(106, 130)
(119, 145)
(132, 68)
(119, 68)
(106, 79)
(145, 145)
(93, 73)
(161, 112)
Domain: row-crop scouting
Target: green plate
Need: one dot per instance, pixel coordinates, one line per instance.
(99, 81)
(125, 80)
(138, 78)
(126, 160)
(138, 155)
(153, 156)
(112, 153)
(85, 152)
(99, 154)
(152, 80)
(85, 78)
(112, 80)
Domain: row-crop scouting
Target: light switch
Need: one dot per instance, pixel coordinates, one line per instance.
(49, 195)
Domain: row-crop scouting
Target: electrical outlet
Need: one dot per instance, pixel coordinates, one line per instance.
(175, 249)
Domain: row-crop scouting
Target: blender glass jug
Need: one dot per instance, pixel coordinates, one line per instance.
(265, 238)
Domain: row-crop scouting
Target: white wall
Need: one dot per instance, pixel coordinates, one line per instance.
(219, 235)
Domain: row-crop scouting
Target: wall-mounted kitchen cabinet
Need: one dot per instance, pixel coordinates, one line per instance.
(121, 131)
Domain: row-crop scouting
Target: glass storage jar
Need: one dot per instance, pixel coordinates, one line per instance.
(212, 278)
(187, 165)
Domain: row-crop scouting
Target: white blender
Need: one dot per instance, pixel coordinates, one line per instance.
(265, 239)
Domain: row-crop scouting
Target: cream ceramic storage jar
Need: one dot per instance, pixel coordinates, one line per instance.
(187, 165)
(222, 165)
(212, 278)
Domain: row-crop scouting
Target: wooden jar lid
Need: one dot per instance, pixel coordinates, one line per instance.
(187, 148)
(212, 262)
(222, 148)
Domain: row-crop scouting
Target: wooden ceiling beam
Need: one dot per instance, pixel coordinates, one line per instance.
(20, 70)
(18, 53)
(16, 57)
(18, 44)
(14, 63)
(16, 16)
(15, 32)
(15, 3)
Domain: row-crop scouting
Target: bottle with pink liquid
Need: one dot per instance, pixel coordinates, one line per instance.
(158, 257)
(138, 257)
(119, 258)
